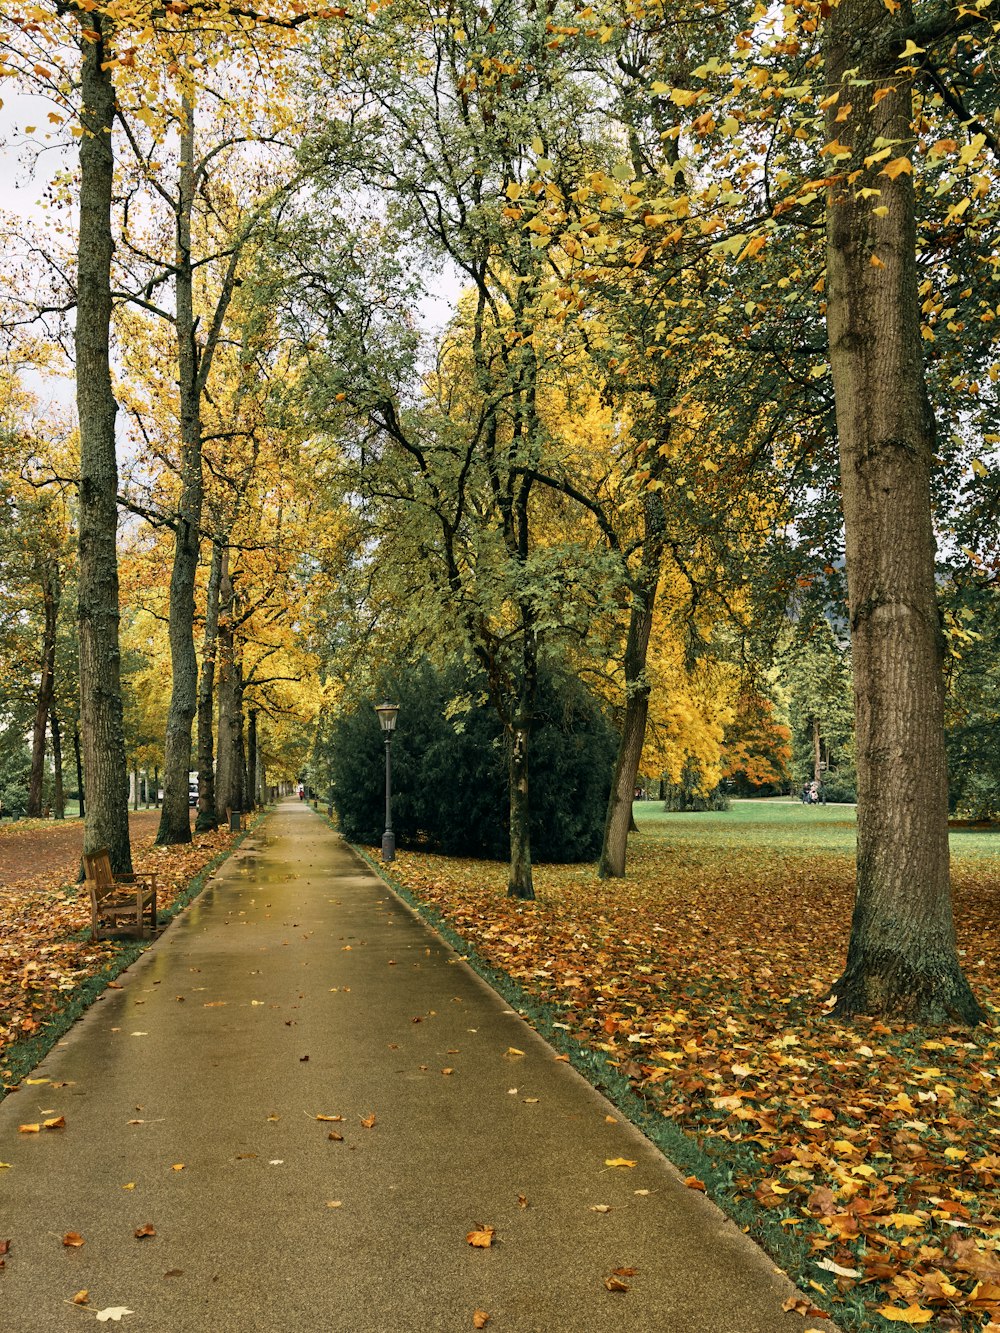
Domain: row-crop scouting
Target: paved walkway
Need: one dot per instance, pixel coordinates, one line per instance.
(312, 1103)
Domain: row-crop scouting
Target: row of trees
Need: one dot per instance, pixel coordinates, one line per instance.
(717, 346)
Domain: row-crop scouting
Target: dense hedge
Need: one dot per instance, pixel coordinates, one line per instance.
(450, 773)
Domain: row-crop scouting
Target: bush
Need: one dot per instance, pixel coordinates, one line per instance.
(449, 769)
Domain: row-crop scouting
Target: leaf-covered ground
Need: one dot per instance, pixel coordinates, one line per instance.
(874, 1150)
(45, 949)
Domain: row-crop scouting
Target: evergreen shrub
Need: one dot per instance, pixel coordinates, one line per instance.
(449, 768)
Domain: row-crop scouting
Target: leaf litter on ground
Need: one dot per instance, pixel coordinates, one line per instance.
(702, 977)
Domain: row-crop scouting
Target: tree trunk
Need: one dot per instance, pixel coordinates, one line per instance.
(79, 769)
(175, 817)
(817, 752)
(520, 883)
(619, 821)
(251, 787)
(902, 960)
(58, 794)
(46, 688)
(229, 767)
(207, 818)
(102, 723)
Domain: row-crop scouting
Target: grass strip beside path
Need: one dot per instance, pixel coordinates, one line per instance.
(866, 1158)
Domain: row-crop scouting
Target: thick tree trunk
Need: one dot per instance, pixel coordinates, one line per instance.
(207, 818)
(902, 960)
(46, 689)
(102, 723)
(175, 817)
(58, 794)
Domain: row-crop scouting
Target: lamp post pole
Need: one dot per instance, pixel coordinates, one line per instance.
(387, 720)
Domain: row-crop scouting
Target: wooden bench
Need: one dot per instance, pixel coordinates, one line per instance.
(119, 904)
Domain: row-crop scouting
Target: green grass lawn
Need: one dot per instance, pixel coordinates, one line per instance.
(785, 825)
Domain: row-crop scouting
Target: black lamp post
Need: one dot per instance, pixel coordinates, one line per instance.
(387, 721)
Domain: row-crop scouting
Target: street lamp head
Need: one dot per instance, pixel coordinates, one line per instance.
(387, 715)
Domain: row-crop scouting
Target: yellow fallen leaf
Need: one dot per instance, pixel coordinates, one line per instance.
(34, 1082)
(57, 1122)
(330, 1117)
(177, 1166)
(129, 1186)
(482, 1238)
(913, 1314)
(73, 1240)
(334, 1203)
(512, 1050)
(480, 1319)
(906, 1220)
(618, 1161)
(81, 1297)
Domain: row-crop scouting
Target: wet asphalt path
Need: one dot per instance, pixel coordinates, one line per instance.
(312, 1102)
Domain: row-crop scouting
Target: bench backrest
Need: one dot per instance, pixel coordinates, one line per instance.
(97, 869)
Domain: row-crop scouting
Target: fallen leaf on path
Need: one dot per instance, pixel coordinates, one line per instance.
(600, 1208)
(522, 1201)
(337, 1138)
(482, 1238)
(480, 1319)
(81, 1297)
(512, 1050)
(115, 1312)
(177, 1166)
(57, 1122)
(693, 1183)
(29, 1129)
(618, 1161)
(334, 1203)
(73, 1239)
(330, 1117)
(368, 1120)
(174, 1272)
(147, 1229)
(615, 1284)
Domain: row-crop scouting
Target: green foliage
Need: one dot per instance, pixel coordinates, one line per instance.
(973, 706)
(449, 769)
(15, 762)
(817, 677)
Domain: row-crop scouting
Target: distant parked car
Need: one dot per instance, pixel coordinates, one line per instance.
(192, 793)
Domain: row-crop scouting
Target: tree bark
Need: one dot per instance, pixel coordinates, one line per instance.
(58, 793)
(229, 770)
(619, 821)
(902, 960)
(46, 687)
(78, 757)
(520, 883)
(251, 788)
(102, 724)
(207, 817)
(175, 817)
